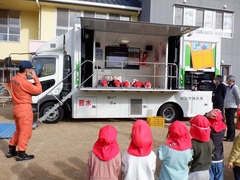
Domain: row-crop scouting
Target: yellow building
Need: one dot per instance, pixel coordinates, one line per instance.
(26, 24)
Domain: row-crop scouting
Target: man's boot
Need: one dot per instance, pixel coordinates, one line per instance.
(12, 151)
(23, 156)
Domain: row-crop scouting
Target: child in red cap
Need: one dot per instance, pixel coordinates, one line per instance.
(234, 158)
(139, 161)
(176, 154)
(202, 147)
(238, 120)
(104, 161)
(218, 128)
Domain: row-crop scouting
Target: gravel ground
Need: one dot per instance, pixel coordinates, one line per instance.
(61, 150)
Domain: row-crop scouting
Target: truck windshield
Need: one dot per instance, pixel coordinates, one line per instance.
(44, 66)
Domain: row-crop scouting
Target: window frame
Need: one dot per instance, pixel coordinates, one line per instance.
(11, 26)
(81, 12)
(225, 33)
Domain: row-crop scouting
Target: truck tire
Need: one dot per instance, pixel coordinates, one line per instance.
(54, 117)
(170, 112)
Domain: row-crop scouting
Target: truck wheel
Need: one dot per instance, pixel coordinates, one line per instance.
(54, 117)
(169, 112)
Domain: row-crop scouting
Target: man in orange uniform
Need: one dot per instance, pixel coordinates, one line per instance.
(22, 91)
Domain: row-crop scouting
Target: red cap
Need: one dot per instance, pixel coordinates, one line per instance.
(147, 84)
(117, 83)
(126, 84)
(133, 82)
(104, 83)
(216, 121)
(179, 138)
(138, 84)
(106, 147)
(141, 143)
(200, 128)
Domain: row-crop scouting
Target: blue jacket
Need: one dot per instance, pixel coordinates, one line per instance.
(175, 163)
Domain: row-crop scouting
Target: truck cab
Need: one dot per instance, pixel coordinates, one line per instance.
(52, 69)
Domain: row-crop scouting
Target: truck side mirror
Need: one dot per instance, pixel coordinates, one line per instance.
(8, 61)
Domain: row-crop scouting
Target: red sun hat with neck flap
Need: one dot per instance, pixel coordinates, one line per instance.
(106, 147)
(141, 143)
(200, 128)
(178, 138)
(216, 121)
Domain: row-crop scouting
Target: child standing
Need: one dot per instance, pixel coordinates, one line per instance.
(139, 161)
(238, 120)
(202, 147)
(104, 161)
(234, 158)
(218, 129)
(176, 154)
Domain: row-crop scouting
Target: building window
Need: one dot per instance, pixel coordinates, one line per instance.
(89, 14)
(75, 18)
(199, 18)
(62, 21)
(66, 19)
(178, 16)
(228, 17)
(227, 24)
(225, 71)
(62, 17)
(211, 22)
(9, 25)
(219, 20)
(101, 16)
(188, 16)
(125, 18)
(208, 19)
(114, 16)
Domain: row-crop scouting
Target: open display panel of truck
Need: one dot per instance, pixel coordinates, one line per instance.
(178, 69)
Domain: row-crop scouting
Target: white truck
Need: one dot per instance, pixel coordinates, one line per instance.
(73, 68)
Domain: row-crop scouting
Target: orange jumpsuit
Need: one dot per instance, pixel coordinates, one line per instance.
(22, 91)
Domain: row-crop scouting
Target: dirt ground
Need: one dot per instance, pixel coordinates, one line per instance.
(61, 150)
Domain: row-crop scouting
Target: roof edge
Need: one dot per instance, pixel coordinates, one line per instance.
(94, 4)
(93, 23)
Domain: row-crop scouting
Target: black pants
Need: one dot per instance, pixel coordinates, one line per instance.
(220, 107)
(230, 114)
(236, 172)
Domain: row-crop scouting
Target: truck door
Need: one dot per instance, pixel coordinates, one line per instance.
(87, 54)
(173, 57)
